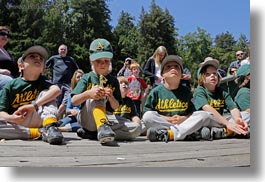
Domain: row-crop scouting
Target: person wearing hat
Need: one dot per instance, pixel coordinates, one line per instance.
(208, 96)
(242, 98)
(99, 94)
(28, 103)
(125, 70)
(169, 114)
(8, 68)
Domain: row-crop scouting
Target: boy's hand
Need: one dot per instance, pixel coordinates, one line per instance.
(239, 127)
(25, 110)
(243, 124)
(97, 92)
(72, 112)
(108, 92)
(16, 117)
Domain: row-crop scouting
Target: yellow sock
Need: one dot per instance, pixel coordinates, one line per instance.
(34, 133)
(228, 132)
(171, 135)
(99, 114)
(48, 120)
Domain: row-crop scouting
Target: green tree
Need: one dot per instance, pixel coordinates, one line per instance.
(126, 38)
(224, 49)
(193, 48)
(86, 21)
(156, 28)
(55, 24)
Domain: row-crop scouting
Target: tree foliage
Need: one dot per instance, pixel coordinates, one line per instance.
(156, 29)
(77, 23)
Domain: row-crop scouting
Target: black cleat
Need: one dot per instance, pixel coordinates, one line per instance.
(52, 135)
(155, 135)
(85, 134)
(105, 134)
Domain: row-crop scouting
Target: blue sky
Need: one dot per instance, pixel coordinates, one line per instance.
(215, 16)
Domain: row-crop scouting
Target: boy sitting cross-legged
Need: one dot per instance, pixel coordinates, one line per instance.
(98, 92)
(28, 103)
(169, 112)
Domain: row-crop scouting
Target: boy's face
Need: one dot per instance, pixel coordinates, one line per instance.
(211, 77)
(136, 71)
(33, 62)
(124, 88)
(102, 65)
(172, 70)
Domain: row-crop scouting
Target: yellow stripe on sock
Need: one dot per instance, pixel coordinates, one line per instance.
(48, 120)
(34, 133)
(171, 135)
(99, 114)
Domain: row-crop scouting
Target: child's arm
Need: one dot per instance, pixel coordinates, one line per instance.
(114, 103)
(50, 95)
(176, 119)
(146, 91)
(12, 118)
(237, 117)
(237, 128)
(95, 93)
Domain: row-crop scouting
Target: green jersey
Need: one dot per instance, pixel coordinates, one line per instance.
(169, 102)
(127, 109)
(19, 92)
(242, 98)
(219, 100)
(91, 79)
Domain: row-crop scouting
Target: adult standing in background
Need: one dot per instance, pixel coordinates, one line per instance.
(8, 67)
(240, 55)
(152, 66)
(63, 68)
(125, 70)
(186, 78)
(247, 60)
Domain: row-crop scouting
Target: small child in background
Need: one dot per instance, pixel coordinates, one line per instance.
(137, 86)
(69, 123)
(126, 112)
(242, 98)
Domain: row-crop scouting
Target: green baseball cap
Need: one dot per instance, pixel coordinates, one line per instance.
(100, 48)
(243, 70)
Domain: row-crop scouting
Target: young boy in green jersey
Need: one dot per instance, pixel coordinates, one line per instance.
(242, 98)
(130, 123)
(98, 92)
(169, 113)
(28, 103)
(210, 97)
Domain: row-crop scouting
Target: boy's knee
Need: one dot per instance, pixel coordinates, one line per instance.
(147, 115)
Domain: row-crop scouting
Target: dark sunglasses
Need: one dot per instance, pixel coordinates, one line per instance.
(4, 34)
(240, 54)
